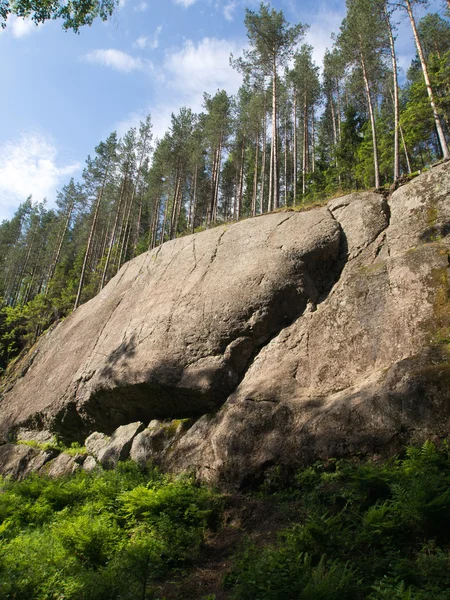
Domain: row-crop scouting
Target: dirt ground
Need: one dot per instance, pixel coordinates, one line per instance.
(246, 520)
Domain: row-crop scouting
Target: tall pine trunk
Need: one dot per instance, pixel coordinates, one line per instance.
(241, 179)
(60, 245)
(255, 174)
(173, 217)
(114, 231)
(305, 144)
(295, 147)
(89, 245)
(264, 157)
(138, 226)
(437, 120)
(152, 241)
(372, 122)
(396, 102)
(127, 231)
(285, 160)
(24, 267)
(166, 212)
(275, 138)
(339, 111)
(333, 120)
(216, 191)
(194, 201)
(405, 150)
(271, 177)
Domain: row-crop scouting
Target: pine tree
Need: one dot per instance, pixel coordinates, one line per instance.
(362, 38)
(272, 43)
(217, 125)
(96, 176)
(408, 6)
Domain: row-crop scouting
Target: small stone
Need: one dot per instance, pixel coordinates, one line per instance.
(90, 464)
(118, 447)
(96, 442)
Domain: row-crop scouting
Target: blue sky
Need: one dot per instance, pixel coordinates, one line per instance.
(63, 93)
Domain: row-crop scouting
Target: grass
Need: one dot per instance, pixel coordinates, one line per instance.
(56, 446)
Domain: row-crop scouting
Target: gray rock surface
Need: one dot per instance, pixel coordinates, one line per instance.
(63, 464)
(90, 464)
(119, 446)
(172, 334)
(96, 442)
(19, 460)
(151, 443)
(364, 373)
(285, 338)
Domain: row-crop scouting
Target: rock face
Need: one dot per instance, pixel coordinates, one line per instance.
(173, 333)
(285, 338)
(18, 461)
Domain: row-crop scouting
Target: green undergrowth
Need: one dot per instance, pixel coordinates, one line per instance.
(56, 446)
(356, 530)
(364, 531)
(108, 535)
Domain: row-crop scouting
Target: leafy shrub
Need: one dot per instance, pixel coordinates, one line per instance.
(385, 527)
(105, 535)
(284, 574)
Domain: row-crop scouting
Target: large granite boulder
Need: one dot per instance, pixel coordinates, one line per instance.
(119, 446)
(364, 373)
(19, 460)
(284, 338)
(173, 333)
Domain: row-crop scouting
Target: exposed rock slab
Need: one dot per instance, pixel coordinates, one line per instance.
(286, 338)
(368, 370)
(96, 442)
(119, 446)
(151, 443)
(62, 465)
(173, 332)
(19, 460)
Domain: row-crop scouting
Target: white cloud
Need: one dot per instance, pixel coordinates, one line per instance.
(29, 166)
(185, 3)
(141, 7)
(118, 60)
(19, 27)
(152, 42)
(141, 42)
(228, 10)
(186, 74)
(202, 67)
(319, 34)
(160, 114)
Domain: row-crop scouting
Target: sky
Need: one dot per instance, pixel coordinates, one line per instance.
(63, 93)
